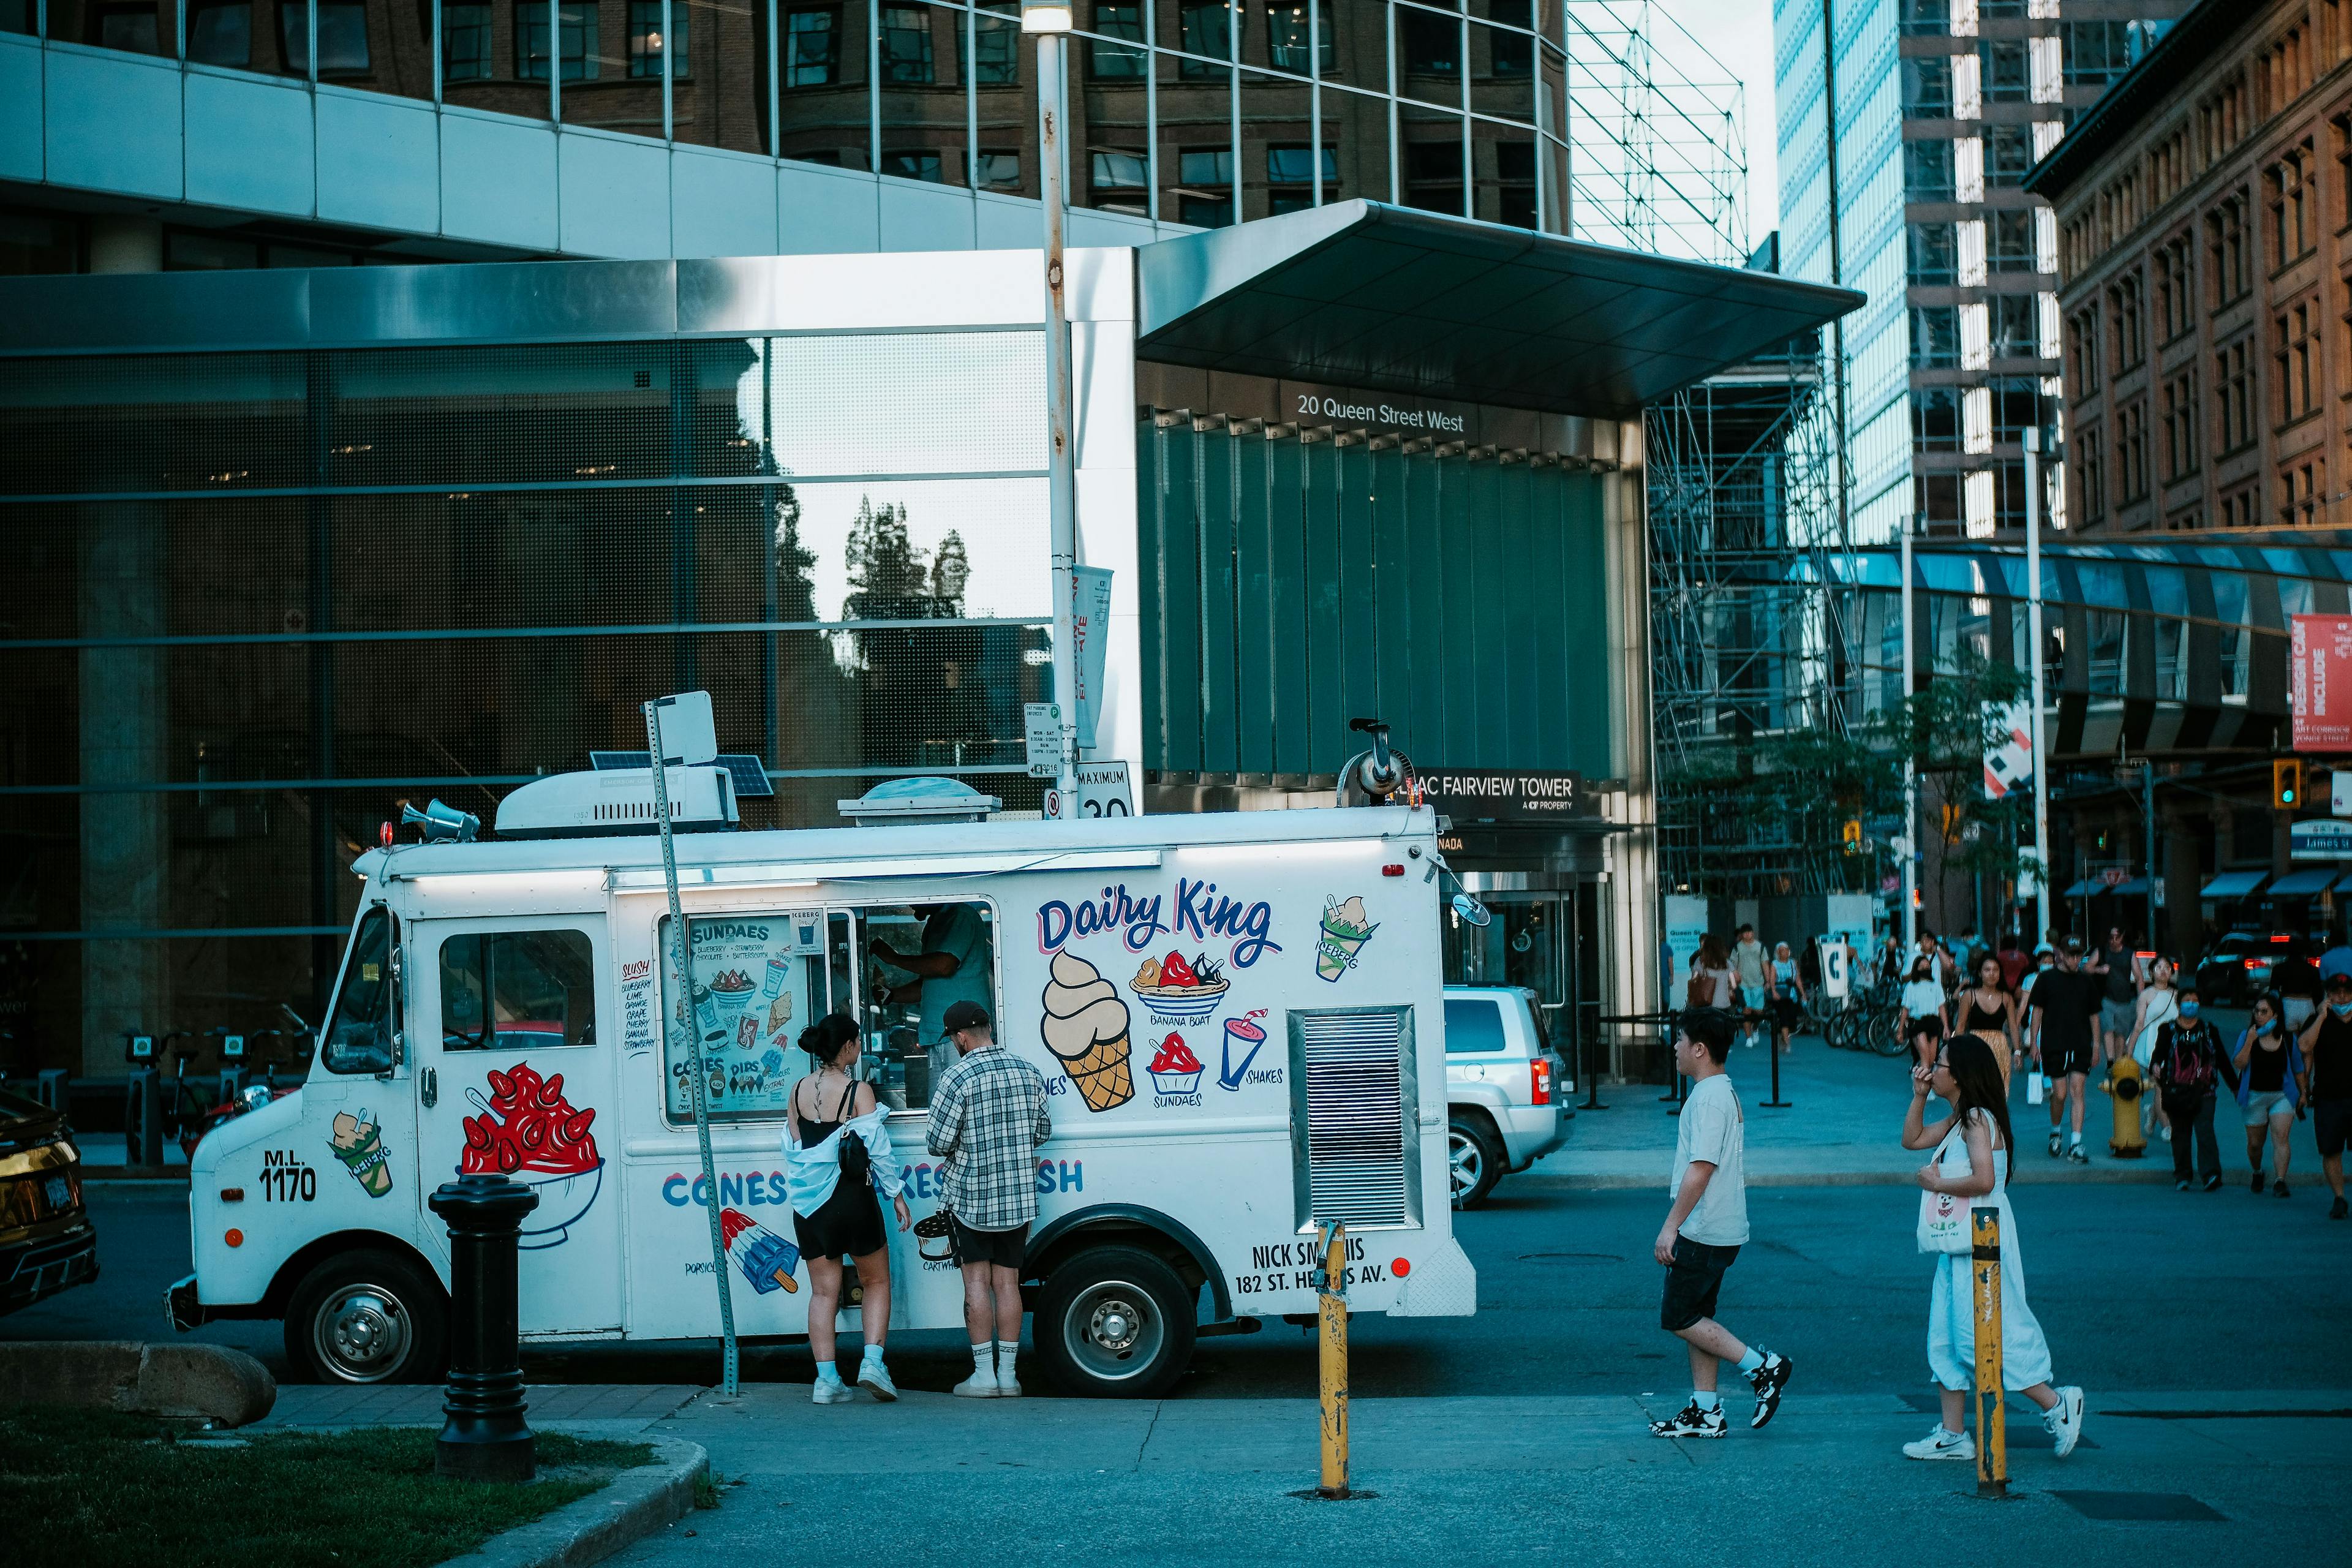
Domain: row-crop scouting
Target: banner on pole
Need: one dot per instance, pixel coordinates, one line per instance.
(1090, 641)
(2319, 682)
(2009, 764)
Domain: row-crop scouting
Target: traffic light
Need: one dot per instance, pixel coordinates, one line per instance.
(2286, 784)
(1853, 835)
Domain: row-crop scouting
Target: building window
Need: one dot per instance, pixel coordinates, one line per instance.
(1927, 171)
(999, 170)
(1205, 192)
(1286, 40)
(1291, 172)
(2016, 326)
(1121, 176)
(2096, 52)
(2131, 453)
(2017, 405)
(2176, 288)
(2293, 352)
(1927, 18)
(2225, 241)
(575, 24)
(220, 31)
(2233, 393)
(1434, 175)
(2006, 77)
(342, 38)
(1513, 54)
(2093, 468)
(2298, 496)
(2083, 347)
(1116, 62)
(2012, 240)
(465, 43)
(647, 43)
(1937, 497)
(1935, 336)
(1926, 87)
(999, 43)
(907, 45)
(1433, 45)
(812, 47)
(2294, 231)
(2180, 426)
(1936, 419)
(1933, 253)
(1205, 29)
(2127, 332)
(2008, 154)
(916, 164)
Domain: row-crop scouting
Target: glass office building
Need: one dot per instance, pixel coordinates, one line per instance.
(1906, 129)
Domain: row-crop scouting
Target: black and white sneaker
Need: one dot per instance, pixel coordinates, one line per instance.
(2057, 1144)
(1768, 1381)
(2075, 1152)
(1690, 1422)
(2181, 1184)
(2213, 1183)
(2258, 1183)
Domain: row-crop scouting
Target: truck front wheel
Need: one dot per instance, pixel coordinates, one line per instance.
(1115, 1322)
(367, 1317)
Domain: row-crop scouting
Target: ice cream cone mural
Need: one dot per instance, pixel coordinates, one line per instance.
(1346, 927)
(1085, 1027)
(766, 1259)
(359, 1147)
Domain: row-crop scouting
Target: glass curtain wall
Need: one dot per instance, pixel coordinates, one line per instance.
(1194, 112)
(261, 599)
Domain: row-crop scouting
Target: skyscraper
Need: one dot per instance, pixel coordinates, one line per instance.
(1905, 128)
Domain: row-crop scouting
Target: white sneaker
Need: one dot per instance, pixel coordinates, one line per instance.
(830, 1391)
(1007, 1386)
(1942, 1444)
(874, 1378)
(979, 1385)
(2064, 1420)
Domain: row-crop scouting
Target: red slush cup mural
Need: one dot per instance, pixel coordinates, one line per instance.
(529, 1131)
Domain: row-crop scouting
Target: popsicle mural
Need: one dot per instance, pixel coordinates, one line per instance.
(765, 1259)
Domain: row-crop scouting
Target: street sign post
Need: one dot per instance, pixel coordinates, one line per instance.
(1104, 790)
(1040, 735)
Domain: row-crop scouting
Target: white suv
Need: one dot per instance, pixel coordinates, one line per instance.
(1503, 1087)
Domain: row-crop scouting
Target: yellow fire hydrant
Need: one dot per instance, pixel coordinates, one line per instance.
(2124, 1087)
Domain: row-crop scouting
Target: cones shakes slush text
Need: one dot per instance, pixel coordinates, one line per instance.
(1085, 1027)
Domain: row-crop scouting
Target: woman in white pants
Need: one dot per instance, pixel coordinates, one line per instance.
(1970, 1167)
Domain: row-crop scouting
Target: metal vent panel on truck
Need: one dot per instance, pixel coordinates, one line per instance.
(1354, 1155)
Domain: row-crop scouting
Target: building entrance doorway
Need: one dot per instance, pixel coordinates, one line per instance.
(1548, 941)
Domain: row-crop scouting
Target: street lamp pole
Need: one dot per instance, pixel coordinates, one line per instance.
(1910, 767)
(1050, 21)
(2033, 635)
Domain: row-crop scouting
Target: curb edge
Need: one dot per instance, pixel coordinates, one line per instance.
(638, 1503)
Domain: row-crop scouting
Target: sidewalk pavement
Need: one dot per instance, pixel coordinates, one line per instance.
(1843, 1126)
(583, 1409)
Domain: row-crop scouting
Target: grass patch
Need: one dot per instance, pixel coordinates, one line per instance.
(84, 1488)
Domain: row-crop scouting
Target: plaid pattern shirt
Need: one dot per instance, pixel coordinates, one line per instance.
(988, 1116)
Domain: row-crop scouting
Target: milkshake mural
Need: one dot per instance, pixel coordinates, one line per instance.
(1345, 929)
(359, 1145)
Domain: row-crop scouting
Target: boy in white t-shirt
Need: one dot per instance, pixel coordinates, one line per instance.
(1703, 1232)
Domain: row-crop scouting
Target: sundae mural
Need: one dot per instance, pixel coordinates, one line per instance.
(1176, 1073)
(529, 1131)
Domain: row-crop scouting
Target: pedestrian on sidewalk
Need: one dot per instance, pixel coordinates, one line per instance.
(1748, 967)
(2327, 1048)
(1970, 1168)
(2115, 967)
(1710, 976)
(1922, 999)
(2187, 1066)
(1703, 1232)
(2158, 1007)
(833, 1163)
(2065, 1007)
(988, 1117)
(2015, 962)
(1989, 1009)
(2295, 978)
(1787, 997)
(2269, 1067)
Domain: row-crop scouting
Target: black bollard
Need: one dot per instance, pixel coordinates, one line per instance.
(484, 1438)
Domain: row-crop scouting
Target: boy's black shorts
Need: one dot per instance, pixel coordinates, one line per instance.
(1692, 1283)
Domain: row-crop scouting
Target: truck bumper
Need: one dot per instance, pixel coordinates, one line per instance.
(180, 1305)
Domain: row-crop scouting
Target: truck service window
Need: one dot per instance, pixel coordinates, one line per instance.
(1472, 1027)
(358, 1036)
(518, 990)
(757, 980)
(920, 959)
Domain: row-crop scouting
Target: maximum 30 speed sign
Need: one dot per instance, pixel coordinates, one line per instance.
(1103, 791)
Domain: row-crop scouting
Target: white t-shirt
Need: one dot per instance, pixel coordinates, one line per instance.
(1711, 1130)
(1922, 998)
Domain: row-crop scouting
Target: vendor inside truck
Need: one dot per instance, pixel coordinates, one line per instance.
(955, 963)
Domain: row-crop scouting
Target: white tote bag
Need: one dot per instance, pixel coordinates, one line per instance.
(2035, 1087)
(2166, 1010)
(1943, 1218)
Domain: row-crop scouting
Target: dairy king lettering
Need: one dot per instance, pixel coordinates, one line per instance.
(1137, 920)
(1247, 925)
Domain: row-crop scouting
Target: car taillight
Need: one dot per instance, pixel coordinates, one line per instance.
(2258, 963)
(1540, 1081)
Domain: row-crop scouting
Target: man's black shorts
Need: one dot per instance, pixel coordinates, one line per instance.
(1692, 1283)
(2060, 1061)
(2331, 1122)
(1001, 1246)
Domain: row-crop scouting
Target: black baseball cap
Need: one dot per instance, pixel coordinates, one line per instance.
(964, 1015)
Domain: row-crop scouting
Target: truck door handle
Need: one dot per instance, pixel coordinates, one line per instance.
(431, 1089)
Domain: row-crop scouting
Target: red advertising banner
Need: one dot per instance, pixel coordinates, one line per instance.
(2319, 683)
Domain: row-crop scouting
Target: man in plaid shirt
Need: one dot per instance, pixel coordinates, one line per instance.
(988, 1116)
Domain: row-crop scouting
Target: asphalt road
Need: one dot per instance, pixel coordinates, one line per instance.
(2137, 1286)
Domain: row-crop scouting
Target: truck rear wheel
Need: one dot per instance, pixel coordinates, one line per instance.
(1473, 1158)
(1115, 1322)
(367, 1317)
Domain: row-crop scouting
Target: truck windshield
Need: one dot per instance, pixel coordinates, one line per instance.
(358, 1038)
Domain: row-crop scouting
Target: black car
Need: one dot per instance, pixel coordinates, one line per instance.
(2237, 967)
(47, 1243)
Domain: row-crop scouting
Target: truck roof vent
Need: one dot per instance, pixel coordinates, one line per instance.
(618, 803)
(924, 799)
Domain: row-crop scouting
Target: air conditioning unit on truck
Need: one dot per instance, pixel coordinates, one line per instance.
(1239, 1017)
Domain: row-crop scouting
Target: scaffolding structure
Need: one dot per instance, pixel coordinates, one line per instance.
(1656, 133)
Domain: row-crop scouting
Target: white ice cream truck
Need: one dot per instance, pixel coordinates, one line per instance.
(1239, 1017)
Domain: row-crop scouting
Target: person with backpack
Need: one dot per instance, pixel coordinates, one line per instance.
(2187, 1066)
(1710, 976)
(837, 1151)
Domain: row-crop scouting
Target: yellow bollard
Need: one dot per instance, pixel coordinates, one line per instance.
(1331, 1304)
(1992, 1420)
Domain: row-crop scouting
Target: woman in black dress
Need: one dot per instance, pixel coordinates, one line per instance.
(834, 1209)
(1990, 1009)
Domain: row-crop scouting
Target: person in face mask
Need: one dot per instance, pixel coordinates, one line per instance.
(2187, 1063)
(2328, 1047)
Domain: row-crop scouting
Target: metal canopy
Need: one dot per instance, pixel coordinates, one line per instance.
(1388, 298)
